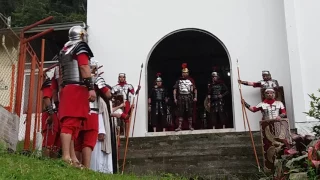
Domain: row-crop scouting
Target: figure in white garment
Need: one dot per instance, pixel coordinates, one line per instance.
(101, 159)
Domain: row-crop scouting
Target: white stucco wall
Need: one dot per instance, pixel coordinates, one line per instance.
(308, 32)
(122, 33)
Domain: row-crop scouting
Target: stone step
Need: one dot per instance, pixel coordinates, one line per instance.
(209, 156)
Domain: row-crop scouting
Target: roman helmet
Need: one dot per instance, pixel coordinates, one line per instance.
(78, 33)
(269, 90)
(214, 74)
(265, 72)
(184, 68)
(159, 79)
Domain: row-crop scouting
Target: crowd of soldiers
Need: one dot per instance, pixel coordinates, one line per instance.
(77, 108)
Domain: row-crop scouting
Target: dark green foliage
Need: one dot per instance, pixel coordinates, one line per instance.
(315, 111)
(26, 12)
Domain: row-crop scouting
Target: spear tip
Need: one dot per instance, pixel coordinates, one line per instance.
(142, 65)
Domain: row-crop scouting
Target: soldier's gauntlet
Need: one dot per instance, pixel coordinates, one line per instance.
(247, 105)
(49, 109)
(88, 83)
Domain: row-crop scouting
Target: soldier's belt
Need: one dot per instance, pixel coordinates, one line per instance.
(94, 109)
(64, 83)
(184, 93)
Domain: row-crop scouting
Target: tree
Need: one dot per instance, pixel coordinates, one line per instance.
(26, 12)
(314, 111)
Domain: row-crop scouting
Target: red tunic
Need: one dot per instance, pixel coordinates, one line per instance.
(74, 98)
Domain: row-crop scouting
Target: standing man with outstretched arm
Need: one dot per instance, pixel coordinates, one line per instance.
(77, 89)
(270, 108)
(267, 81)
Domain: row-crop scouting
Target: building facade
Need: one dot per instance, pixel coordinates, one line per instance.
(279, 36)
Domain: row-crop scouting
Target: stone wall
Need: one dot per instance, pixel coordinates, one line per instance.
(9, 128)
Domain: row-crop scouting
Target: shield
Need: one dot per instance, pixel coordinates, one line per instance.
(271, 129)
(278, 92)
(206, 106)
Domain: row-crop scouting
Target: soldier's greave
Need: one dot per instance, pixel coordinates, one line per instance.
(190, 123)
(180, 124)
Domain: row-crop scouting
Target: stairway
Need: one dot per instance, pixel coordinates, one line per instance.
(206, 156)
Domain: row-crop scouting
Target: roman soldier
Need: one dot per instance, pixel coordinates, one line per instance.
(88, 134)
(157, 101)
(270, 108)
(127, 91)
(217, 90)
(184, 95)
(77, 87)
(267, 81)
(50, 122)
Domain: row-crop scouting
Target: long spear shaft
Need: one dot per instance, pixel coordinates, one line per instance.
(244, 112)
(239, 86)
(127, 133)
(135, 111)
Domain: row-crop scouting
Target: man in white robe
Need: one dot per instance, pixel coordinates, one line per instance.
(101, 160)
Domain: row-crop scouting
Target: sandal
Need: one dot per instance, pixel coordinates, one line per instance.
(74, 164)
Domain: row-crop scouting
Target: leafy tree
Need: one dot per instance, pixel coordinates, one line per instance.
(26, 12)
(314, 111)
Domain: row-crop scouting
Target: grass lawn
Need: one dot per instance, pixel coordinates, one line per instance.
(15, 166)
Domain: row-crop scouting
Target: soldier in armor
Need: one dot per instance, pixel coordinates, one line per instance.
(50, 122)
(267, 81)
(217, 90)
(77, 87)
(184, 95)
(157, 101)
(127, 91)
(270, 108)
(88, 134)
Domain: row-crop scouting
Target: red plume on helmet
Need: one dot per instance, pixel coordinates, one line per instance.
(214, 68)
(158, 74)
(184, 65)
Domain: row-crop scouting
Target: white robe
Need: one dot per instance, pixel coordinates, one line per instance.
(101, 161)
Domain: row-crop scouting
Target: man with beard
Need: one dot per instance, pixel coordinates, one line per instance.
(267, 81)
(50, 122)
(157, 101)
(270, 108)
(127, 91)
(217, 90)
(184, 95)
(88, 134)
(77, 88)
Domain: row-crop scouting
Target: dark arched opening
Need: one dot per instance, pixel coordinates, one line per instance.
(201, 51)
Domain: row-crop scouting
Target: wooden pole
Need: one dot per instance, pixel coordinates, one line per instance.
(244, 114)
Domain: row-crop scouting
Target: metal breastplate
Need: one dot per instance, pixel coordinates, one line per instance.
(69, 67)
(159, 94)
(121, 90)
(215, 91)
(99, 82)
(185, 86)
(270, 111)
(268, 84)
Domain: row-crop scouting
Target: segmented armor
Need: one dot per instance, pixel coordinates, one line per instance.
(158, 105)
(217, 111)
(270, 111)
(68, 65)
(99, 84)
(216, 89)
(185, 88)
(268, 84)
(123, 90)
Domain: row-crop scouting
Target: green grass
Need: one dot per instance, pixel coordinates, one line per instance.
(16, 166)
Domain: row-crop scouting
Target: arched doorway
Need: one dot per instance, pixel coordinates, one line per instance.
(202, 51)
